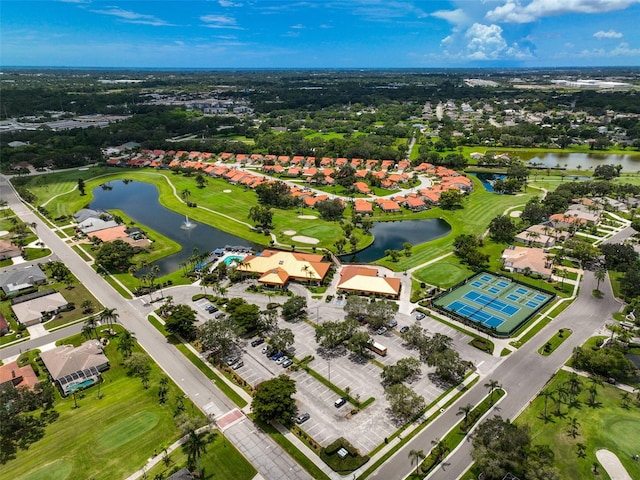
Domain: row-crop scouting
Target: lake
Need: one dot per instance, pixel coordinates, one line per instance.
(586, 161)
(393, 235)
(139, 201)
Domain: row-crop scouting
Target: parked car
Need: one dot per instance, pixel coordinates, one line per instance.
(381, 330)
(303, 417)
(404, 329)
(257, 341)
(280, 360)
(339, 402)
(219, 315)
(392, 323)
(232, 360)
(277, 355)
(420, 316)
(237, 365)
(265, 349)
(212, 309)
(287, 363)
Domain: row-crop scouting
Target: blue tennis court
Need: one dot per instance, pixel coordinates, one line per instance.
(474, 314)
(493, 302)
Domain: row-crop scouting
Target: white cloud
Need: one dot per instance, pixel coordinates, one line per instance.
(219, 21)
(132, 17)
(621, 50)
(608, 34)
(299, 26)
(452, 16)
(482, 42)
(517, 11)
(229, 3)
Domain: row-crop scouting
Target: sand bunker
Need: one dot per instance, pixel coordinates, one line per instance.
(516, 213)
(3, 233)
(308, 217)
(303, 239)
(227, 191)
(289, 232)
(612, 465)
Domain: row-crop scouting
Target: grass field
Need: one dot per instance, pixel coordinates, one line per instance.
(221, 460)
(105, 438)
(609, 425)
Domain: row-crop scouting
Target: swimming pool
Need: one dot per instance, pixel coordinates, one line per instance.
(233, 259)
(78, 386)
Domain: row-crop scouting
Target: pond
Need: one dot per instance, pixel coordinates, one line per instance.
(139, 201)
(487, 179)
(583, 161)
(393, 235)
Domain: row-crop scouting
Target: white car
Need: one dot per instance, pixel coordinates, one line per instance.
(282, 359)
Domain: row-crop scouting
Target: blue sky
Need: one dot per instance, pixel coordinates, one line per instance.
(320, 33)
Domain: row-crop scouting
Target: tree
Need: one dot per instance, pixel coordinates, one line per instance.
(502, 229)
(263, 216)
(89, 326)
(359, 342)
(163, 389)
(115, 256)
(331, 334)
(600, 274)
(492, 385)
(547, 394)
(218, 338)
(404, 369)
(404, 402)
(630, 282)
(416, 457)
(500, 448)
(465, 410)
(406, 246)
(282, 340)
(81, 186)
(244, 316)
(356, 307)
(201, 180)
(294, 308)
(194, 447)
(273, 400)
(87, 306)
(440, 449)
(330, 209)
(137, 365)
(606, 172)
(450, 199)
(574, 425)
(109, 316)
(380, 312)
(126, 343)
(181, 321)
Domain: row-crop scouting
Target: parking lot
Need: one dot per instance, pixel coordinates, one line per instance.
(367, 428)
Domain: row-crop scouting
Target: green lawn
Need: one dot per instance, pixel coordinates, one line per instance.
(108, 437)
(221, 460)
(609, 426)
(554, 342)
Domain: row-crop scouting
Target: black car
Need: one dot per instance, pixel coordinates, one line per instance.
(212, 309)
(257, 341)
(404, 329)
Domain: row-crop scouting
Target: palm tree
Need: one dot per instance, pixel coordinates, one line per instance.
(561, 395)
(573, 426)
(185, 194)
(581, 450)
(575, 385)
(125, 343)
(492, 385)
(600, 275)
(109, 315)
(465, 410)
(625, 397)
(194, 447)
(90, 324)
(416, 457)
(440, 449)
(87, 331)
(546, 394)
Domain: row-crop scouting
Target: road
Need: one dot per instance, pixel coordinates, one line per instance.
(522, 374)
(132, 315)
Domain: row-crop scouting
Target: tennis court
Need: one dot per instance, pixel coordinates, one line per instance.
(493, 301)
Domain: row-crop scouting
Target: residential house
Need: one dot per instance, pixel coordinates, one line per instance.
(15, 280)
(527, 260)
(4, 325)
(32, 309)
(14, 376)
(9, 250)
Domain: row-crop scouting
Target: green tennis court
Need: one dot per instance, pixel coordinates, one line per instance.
(493, 302)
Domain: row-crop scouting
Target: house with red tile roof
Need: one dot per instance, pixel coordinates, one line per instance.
(278, 268)
(270, 159)
(326, 161)
(403, 165)
(368, 280)
(361, 173)
(309, 172)
(371, 164)
(256, 157)
(114, 162)
(430, 196)
(340, 162)
(414, 203)
(15, 376)
(226, 156)
(387, 164)
(328, 171)
(298, 159)
(242, 158)
(293, 171)
(283, 159)
(362, 207)
(310, 162)
(389, 206)
(329, 180)
(362, 187)
(356, 162)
